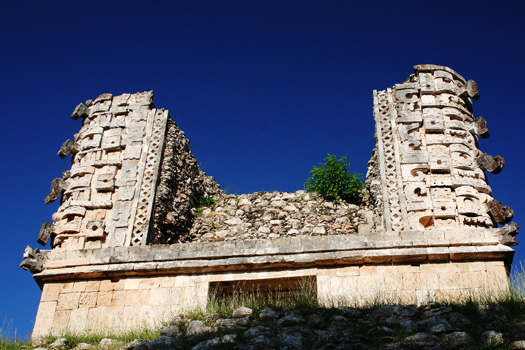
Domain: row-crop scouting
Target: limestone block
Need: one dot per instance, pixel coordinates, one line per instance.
(107, 204)
(136, 297)
(111, 143)
(68, 225)
(461, 157)
(417, 196)
(88, 300)
(70, 211)
(160, 296)
(119, 298)
(426, 83)
(79, 286)
(440, 180)
(92, 286)
(44, 318)
(435, 139)
(126, 193)
(433, 120)
(412, 155)
(443, 201)
(474, 178)
(50, 292)
(121, 213)
(448, 280)
(81, 170)
(421, 220)
(439, 162)
(95, 228)
(101, 105)
(150, 283)
(104, 298)
(118, 121)
(135, 133)
(454, 114)
(133, 150)
(80, 182)
(68, 301)
(105, 182)
(89, 130)
(128, 171)
(469, 201)
(444, 82)
(98, 318)
(414, 172)
(117, 163)
(453, 136)
(132, 283)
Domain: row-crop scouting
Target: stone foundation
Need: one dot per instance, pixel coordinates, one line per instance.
(124, 288)
(103, 305)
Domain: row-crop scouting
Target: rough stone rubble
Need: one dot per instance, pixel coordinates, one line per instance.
(264, 215)
(386, 327)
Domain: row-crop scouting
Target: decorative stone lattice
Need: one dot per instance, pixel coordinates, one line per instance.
(431, 171)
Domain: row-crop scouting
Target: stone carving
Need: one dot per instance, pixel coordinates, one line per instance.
(58, 186)
(67, 148)
(108, 195)
(133, 180)
(501, 213)
(508, 234)
(34, 260)
(430, 168)
(45, 232)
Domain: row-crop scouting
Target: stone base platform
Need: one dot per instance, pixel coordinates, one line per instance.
(123, 288)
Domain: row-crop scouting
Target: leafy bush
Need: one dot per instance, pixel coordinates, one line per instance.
(333, 181)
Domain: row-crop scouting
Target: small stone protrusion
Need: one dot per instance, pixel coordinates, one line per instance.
(81, 111)
(501, 213)
(34, 261)
(493, 165)
(58, 186)
(67, 148)
(45, 232)
(472, 89)
(480, 127)
(508, 234)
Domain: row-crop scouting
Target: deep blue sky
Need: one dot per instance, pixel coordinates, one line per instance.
(263, 89)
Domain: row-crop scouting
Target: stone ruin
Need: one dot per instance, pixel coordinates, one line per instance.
(137, 239)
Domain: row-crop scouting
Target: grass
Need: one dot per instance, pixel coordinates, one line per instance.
(9, 339)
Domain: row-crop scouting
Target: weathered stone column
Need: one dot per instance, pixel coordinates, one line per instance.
(429, 172)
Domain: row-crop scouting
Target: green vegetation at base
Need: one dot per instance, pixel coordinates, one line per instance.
(334, 182)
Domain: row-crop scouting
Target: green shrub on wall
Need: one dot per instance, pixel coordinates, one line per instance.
(334, 182)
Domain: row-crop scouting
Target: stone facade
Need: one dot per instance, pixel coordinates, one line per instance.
(428, 169)
(142, 232)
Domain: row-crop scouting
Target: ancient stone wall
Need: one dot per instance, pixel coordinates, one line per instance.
(427, 167)
(133, 179)
(142, 232)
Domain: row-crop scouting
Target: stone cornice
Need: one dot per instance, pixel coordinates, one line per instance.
(288, 252)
